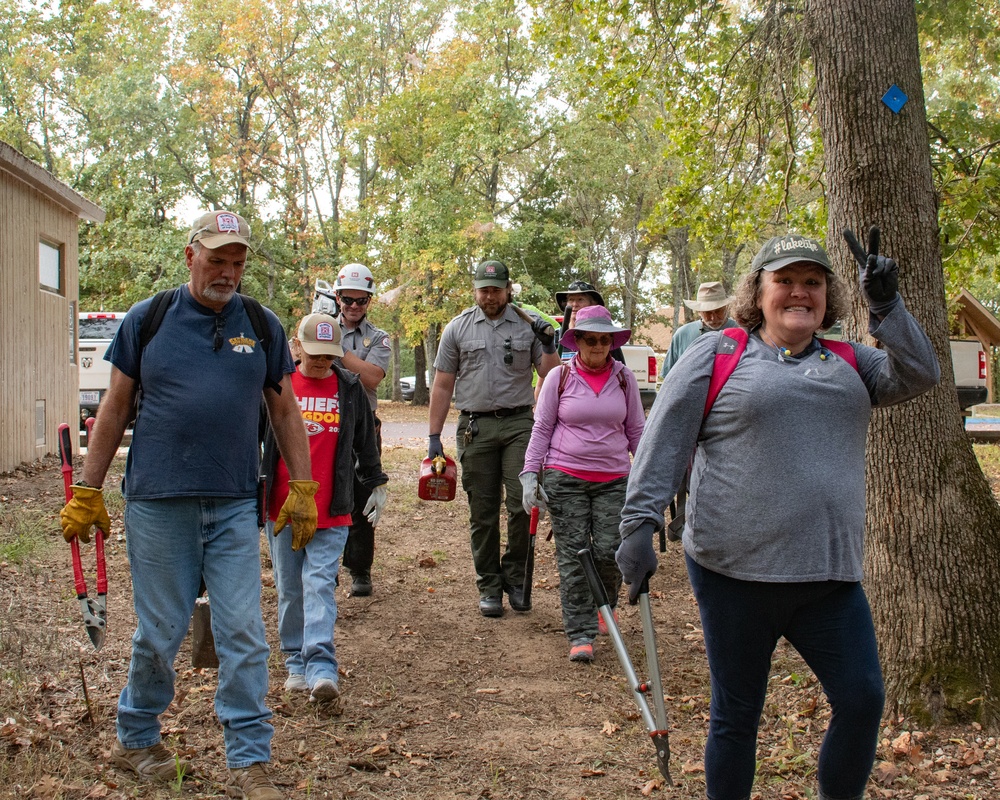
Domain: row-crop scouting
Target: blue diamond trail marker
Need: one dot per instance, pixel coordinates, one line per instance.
(895, 99)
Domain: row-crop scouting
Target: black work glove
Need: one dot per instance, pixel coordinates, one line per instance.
(434, 448)
(545, 334)
(878, 275)
(637, 559)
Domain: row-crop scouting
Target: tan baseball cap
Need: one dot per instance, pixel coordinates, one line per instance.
(219, 228)
(319, 335)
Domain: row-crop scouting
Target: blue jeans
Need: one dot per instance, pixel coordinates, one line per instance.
(171, 544)
(829, 623)
(307, 603)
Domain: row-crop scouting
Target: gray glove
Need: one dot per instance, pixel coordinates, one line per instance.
(376, 505)
(434, 448)
(532, 494)
(637, 559)
(545, 334)
(878, 275)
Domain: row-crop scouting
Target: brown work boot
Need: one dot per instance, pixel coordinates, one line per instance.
(154, 763)
(252, 783)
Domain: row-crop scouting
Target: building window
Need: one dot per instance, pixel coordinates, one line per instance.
(50, 267)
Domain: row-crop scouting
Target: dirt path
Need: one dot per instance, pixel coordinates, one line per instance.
(439, 702)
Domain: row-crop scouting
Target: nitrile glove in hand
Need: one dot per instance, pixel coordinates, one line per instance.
(375, 505)
(637, 559)
(878, 275)
(434, 448)
(545, 334)
(300, 510)
(532, 494)
(84, 510)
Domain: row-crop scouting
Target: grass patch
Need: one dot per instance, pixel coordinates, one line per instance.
(989, 459)
(23, 534)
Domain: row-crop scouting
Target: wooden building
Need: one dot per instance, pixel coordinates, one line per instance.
(39, 288)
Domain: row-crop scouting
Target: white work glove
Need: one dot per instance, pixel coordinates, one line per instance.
(532, 494)
(376, 504)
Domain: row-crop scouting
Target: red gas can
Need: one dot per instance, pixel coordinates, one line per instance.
(437, 479)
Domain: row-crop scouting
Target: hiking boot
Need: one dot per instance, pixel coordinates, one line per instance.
(602, 628)
(581, 651)
(515, 594)
(361, 584)
(296, 682)
(154, 763)
(491, 606)
(252, 783)
(324, 691)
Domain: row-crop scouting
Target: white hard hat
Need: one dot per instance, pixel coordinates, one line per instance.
(355, 276)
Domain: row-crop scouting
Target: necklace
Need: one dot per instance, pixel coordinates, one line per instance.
(781, 351)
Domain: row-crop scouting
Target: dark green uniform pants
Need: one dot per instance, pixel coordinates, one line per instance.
(491, 463)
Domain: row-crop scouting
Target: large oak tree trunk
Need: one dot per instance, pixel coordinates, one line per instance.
(933, 544)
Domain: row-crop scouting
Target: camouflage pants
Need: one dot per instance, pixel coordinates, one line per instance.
(584, 514)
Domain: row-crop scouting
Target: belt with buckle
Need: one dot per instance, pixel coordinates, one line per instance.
(498, 412)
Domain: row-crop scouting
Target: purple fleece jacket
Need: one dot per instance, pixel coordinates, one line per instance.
(584, 431)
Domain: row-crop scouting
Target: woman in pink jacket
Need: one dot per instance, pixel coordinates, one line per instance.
(588, 420)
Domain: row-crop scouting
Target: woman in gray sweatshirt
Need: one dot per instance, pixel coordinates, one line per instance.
(774, 533)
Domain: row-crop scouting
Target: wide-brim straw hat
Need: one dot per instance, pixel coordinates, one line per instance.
(711, 295)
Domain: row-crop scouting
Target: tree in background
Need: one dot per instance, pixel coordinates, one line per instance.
(932, 519)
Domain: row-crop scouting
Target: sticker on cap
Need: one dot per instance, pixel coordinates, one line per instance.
(227, 223)
(324, 332)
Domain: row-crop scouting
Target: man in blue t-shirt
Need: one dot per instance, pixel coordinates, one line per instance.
(190, 489)
(712, 306)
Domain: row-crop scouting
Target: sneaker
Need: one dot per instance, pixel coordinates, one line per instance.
(324, 691)
(581, 651)
(361, 584)
(154, 763)
(602, 628)
(296, 682)
(252, 783)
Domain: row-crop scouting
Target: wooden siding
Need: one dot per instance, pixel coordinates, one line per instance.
(35, 333)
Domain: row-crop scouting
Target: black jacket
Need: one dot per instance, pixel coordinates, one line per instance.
(357, 446)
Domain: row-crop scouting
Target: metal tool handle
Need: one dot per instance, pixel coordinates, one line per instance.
(656, 725)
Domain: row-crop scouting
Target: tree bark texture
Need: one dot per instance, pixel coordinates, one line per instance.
(933, 526)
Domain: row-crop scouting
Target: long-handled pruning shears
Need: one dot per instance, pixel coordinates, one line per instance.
(655, 719)
(95, 611)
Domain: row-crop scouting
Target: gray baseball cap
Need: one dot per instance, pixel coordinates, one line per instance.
(780, 251)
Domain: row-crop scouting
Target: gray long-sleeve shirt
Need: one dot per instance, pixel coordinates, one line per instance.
(778, 479)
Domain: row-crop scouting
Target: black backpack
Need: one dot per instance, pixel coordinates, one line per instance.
(154, 317)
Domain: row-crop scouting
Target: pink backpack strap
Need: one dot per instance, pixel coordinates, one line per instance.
(843, 349)
(728, 351)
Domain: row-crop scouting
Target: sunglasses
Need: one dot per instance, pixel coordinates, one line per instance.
(354, 301)
(595, 341)
(508, 356)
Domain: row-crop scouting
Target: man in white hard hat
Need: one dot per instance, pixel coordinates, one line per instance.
(712, 305)
(366, 353)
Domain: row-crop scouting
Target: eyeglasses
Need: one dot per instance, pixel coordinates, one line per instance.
(595, 341)
(361, 302)
(508, 356)
(220, 325)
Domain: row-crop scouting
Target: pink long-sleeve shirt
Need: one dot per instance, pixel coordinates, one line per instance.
(583, 430)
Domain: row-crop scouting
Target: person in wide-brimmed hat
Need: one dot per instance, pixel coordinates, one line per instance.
(712, 305)
(588, 419)
(578, 295)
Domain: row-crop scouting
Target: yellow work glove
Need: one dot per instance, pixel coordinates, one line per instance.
(300, 510)
(84, 509)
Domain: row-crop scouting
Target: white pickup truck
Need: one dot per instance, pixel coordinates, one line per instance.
(97, 329)
(641, 359)
(969, 365)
